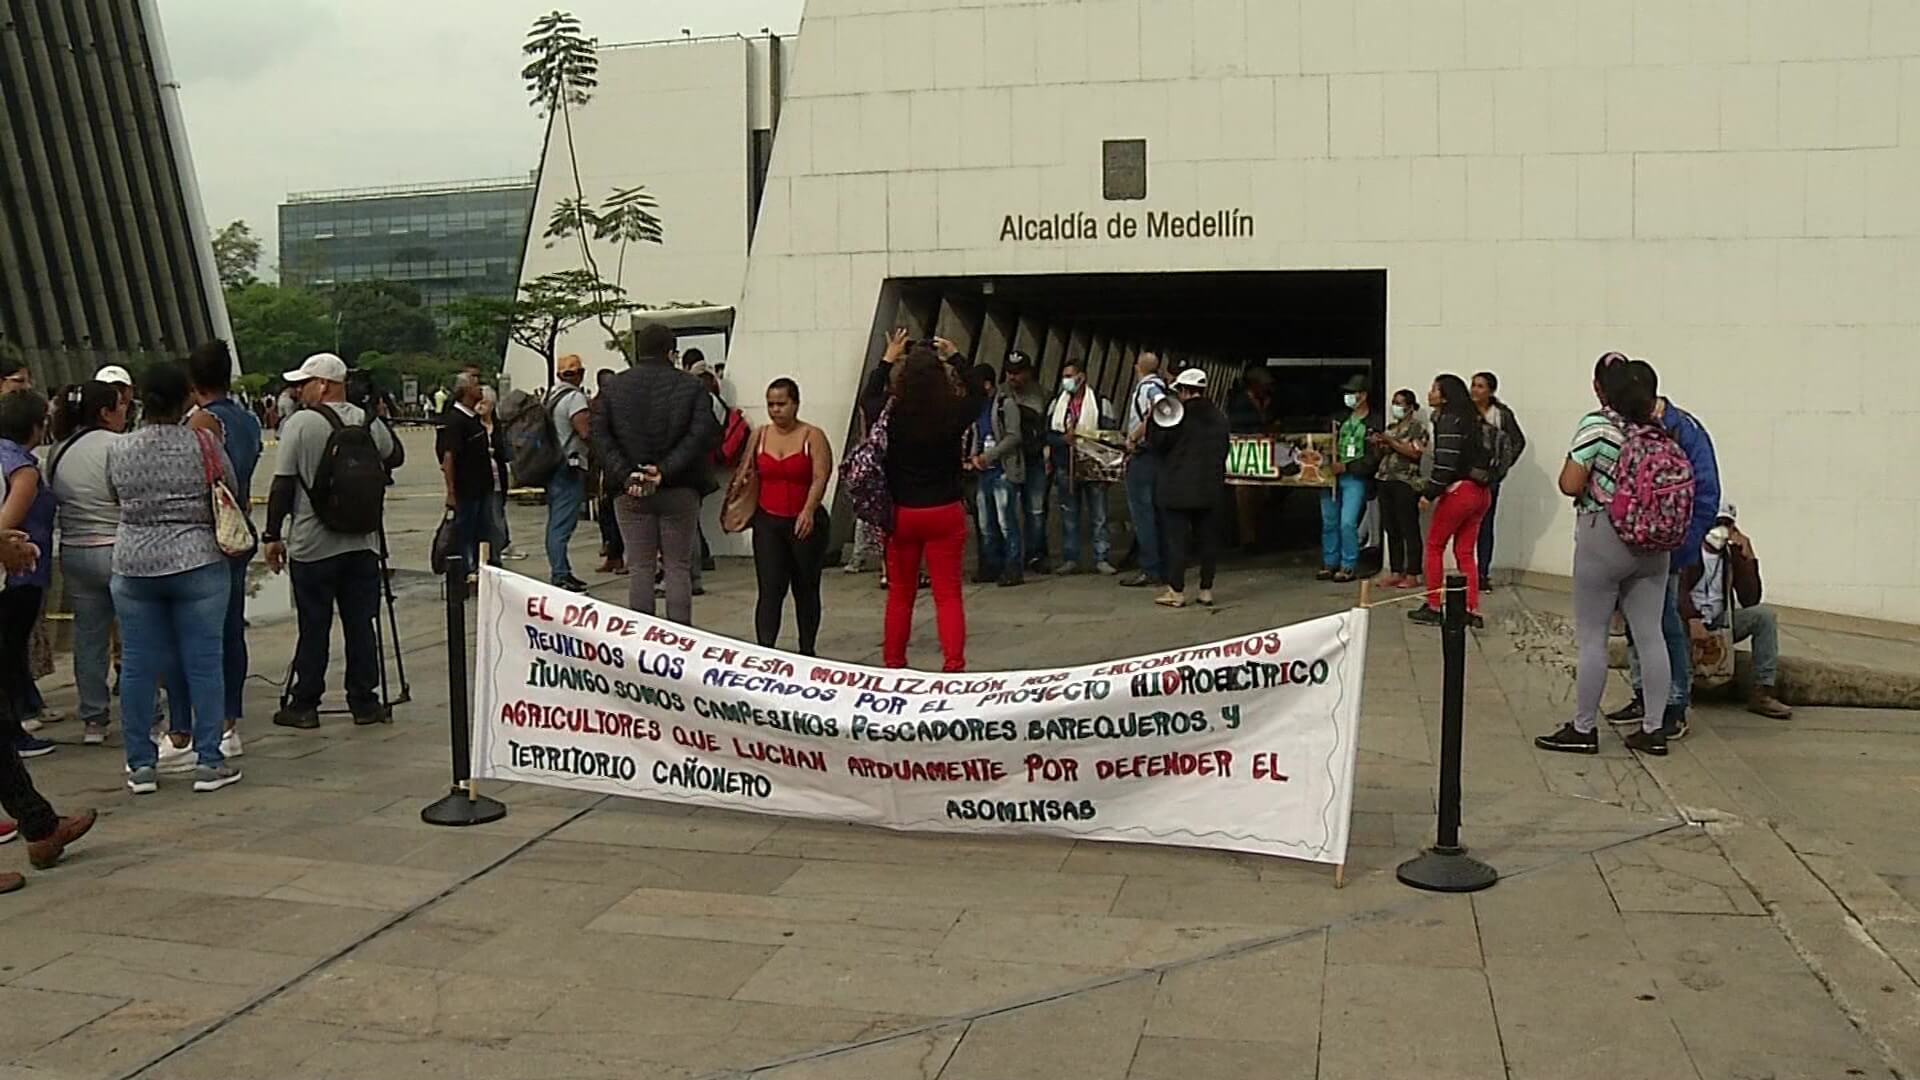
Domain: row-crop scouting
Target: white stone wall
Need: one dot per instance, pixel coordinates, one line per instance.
(1729, 188)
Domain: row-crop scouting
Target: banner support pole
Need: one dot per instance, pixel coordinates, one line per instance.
(1446, 866)
(462, 805)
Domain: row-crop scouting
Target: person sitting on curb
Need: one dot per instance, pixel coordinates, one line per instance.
(1722, 591)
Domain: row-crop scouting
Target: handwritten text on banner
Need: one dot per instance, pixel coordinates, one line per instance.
(1246, 744)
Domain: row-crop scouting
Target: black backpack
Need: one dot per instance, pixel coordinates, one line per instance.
(1033, 429)
(349, 488)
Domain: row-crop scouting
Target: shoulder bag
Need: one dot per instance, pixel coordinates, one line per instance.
(743, 490)
(231, 528)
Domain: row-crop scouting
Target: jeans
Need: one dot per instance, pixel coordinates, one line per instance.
(163, 622)
(19, 607)
(89, 573)
(350, 582)
(1082, 503)
(1033, 542)
(1456, 521)
(783, 563)
(233, 641)
(1760, 624)
(1340, 510)
(1000, 506)
(1486, 533)
(1608, 574)
(661, 527)
(565, 492)
(940, 534)
(1142, 477)
(471, 524)
(1673, 631)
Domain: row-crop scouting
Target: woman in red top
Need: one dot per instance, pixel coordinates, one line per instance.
(790, 530)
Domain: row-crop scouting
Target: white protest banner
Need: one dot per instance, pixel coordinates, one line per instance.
(1247, 744)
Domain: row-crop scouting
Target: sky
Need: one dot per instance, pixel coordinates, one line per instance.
(300, 95)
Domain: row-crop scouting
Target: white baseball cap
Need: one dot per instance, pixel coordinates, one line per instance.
(319, 366)
(115, 374)
(1193, 377)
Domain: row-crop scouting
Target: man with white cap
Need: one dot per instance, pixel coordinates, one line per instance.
(329, 480)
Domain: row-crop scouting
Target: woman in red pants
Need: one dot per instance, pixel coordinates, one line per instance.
(1457, 492)
(923, 474)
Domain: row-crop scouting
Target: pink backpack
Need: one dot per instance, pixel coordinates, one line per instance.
(1652, 502)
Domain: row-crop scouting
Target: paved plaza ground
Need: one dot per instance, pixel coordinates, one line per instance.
(1744, 908)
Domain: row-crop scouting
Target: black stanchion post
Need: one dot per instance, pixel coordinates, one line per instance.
(1446, 866)
(461, 806)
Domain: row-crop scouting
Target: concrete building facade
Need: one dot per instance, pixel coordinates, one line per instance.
(1724, 188)
(105, 256)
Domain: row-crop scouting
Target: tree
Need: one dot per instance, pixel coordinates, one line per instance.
(561, 74)
(547, 307)
(380, 316)
(236, 252)
(276, 327)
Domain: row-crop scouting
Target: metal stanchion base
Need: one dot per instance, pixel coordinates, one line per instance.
(459, 808)
(1443, 869)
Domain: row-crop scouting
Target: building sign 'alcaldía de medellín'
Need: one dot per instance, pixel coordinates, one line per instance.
(1157, 225)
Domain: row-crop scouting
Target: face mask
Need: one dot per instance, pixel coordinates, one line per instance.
(1351, 400)
(1399, 412)
(1072, 385)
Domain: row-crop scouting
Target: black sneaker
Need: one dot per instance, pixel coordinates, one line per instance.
(1653, 743)
(373, 714)
(295, 717)
(699, 590)
(1569, 740)
(1425, 616)
(1140, 580)
(1631, 713)
(1476, 621)
(1326, 573)
(1674, 724)
(570, 584)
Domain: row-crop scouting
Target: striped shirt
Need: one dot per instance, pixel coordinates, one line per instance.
(1596, 445)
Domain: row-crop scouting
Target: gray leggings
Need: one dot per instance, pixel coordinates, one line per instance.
(1607, 573)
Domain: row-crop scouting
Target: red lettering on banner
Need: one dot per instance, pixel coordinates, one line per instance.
(623, 626)
(1052, 770)
(537, 608)
(696, 740)
(1212, 763)
(1266, 766)
(719, 654)
(664, 636)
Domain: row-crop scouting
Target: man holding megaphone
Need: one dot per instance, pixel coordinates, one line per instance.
(1190, 435)
(1143, 472)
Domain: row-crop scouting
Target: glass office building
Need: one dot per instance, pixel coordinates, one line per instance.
(450, 240)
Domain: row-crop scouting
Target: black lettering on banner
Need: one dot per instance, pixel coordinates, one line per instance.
(1020, 812)
(1133, 725)
(569, 647)
(740, 712)
(696, 775)
(546, 675)
(572, 761)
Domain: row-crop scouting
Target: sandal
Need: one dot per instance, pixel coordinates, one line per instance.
(1342, 577)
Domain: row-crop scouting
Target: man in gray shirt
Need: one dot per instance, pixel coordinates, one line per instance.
(566, 489)
(329, 568)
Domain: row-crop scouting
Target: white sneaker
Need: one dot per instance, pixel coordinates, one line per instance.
(95, 735)
(143, 781)
(230, 744)
(176, 759)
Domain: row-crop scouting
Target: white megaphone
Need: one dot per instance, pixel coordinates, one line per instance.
(1168, 411)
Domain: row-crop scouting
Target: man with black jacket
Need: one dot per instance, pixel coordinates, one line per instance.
(653, 435)
(467, 469)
